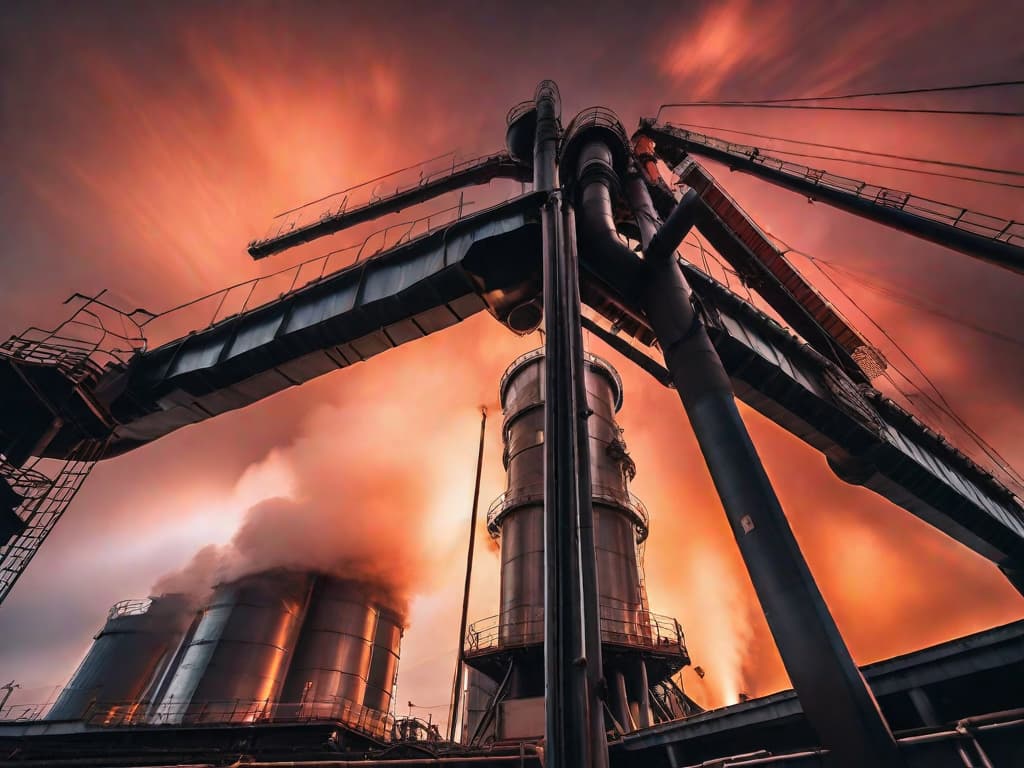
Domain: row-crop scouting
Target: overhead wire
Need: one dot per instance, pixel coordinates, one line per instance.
(771, 151)
(905, 110)
(929, 161)
(942, 405)
(909, 300)
(801, 102)
(852, 161)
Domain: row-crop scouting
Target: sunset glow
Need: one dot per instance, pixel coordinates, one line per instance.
(144, 150)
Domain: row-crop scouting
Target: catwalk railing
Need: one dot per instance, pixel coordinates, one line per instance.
(980, 224)
(135, 607)
(95, 336)
(362, 201)
(141, 714)
(534, 494)
(620, 625)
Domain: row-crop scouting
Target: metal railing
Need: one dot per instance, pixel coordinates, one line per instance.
(372, 192)
(135, 607)
(588, 357)
(597, 117)
(520, 109)
(622, 625)
(96, 336)
(143, 714)
(534, 494)
(981, 224)
(227, 303)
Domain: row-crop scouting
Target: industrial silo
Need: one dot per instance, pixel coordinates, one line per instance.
(387, 642)
(128, 658)
(519, 517)
(639, 649)
(346, 659)
(237, 659)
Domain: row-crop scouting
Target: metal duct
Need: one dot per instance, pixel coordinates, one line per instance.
(128, 657)
(235, 664)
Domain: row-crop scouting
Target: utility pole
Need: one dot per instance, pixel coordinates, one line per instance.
(453, 715)
(9, 687)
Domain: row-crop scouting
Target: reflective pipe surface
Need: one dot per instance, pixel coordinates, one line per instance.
(240, 651)
(347, 652)
(619, 518)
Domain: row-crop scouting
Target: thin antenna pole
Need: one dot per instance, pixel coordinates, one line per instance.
(453, 714)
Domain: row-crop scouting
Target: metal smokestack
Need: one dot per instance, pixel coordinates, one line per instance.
(641, 651)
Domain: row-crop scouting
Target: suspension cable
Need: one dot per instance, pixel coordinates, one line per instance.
(929, 161)
(942, 405)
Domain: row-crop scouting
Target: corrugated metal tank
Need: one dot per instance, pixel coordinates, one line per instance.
(235, 664)
(347, 655)
(520, 516)
(128, 657)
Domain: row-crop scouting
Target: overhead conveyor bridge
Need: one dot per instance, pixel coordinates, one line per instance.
(996, 240)
(490, 261)
(386, 194)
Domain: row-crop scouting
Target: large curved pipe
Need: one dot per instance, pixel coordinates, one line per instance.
(834, 695)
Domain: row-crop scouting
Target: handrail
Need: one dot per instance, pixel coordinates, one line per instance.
(625, 625)
(588, 357)
(84, 344)
(142, 714)
(248, 295)
(980, 224)
(620, 498)
(135, 607)
(370, 193)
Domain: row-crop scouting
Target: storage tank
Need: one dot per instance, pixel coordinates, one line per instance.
(128, 657)
(518, 516)
(347, 656)
(236, 662)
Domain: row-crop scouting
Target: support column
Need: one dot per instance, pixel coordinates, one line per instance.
(832, 691)
(597, 686)
(570, 742)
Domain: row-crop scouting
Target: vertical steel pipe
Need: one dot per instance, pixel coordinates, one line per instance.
(832, 691)
(590, 591)
(567, 719)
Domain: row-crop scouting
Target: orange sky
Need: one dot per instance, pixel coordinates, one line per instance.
(143, 147)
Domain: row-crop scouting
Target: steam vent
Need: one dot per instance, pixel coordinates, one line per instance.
(641, 650)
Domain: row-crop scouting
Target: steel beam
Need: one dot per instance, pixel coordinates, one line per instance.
(567, 718)
(990, 249)
(835, 697)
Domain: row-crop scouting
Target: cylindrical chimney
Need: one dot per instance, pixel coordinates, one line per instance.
(518, 517)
